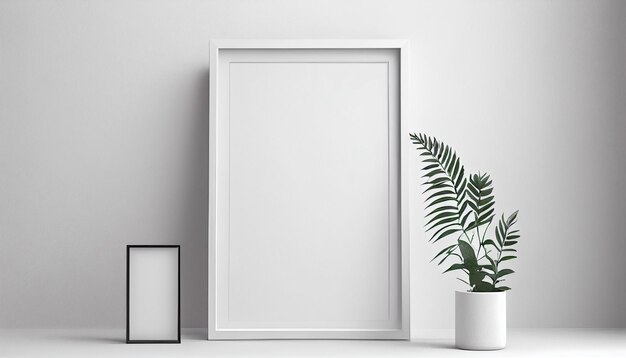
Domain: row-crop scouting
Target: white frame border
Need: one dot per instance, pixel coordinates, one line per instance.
(218, 334)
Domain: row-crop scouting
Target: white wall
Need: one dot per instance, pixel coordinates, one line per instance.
(103, 142)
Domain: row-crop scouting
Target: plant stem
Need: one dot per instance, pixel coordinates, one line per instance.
(500, 254)
(468, 238)
(482, 240)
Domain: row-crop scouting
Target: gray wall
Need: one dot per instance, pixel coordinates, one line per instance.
(103, 142)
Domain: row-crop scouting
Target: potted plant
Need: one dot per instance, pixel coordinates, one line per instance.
(459, 212)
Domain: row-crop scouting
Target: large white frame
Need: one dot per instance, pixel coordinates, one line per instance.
(219, 326)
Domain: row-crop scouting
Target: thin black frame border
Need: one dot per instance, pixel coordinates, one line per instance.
(141, 341)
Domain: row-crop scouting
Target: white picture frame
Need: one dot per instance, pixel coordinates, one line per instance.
(316, 255)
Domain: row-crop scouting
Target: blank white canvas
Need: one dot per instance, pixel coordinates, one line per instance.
(308, 225)
(307, 234)
(153, 294)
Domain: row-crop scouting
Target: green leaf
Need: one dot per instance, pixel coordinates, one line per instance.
(441, 215)
(460, 188)
(488, 206)
(441, 208)
(437, 186)
(505, 272)
(430, 166)
(461, 199)
(484, 287)
(467, 251)
(498, 237)
(446, 257)
(489, 242)
(441, 200)
(445, 233)
(442, 221)
(433, 172)
(444, 155)
(505, 258)
(440, 193)
(457, 167)
(442, 251)
(471, 204)
(439, 181)
(455, 267)
(458, 171)
(446, 161)
(486, 215)
(472, 225)
(487, 191)
(473, 190)
(465, 218)
(441, 229)
(476, 276)
(485, 200)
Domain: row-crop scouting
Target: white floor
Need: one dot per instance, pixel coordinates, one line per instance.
(110, 343)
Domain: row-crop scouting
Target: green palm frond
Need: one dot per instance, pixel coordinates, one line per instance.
(506, 238)
(445, 186)
(480, 200)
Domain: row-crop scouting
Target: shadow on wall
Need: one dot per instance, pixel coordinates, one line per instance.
(194, 220)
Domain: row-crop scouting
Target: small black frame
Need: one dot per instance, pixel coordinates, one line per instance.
(133, 341)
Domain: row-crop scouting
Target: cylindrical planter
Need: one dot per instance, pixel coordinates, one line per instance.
(480, 320)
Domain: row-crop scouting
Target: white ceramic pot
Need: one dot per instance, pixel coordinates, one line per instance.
(480, 320)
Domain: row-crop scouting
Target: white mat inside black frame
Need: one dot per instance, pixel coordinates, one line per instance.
(153, 294)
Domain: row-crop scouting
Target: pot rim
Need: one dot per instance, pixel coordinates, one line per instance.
(481, 293)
